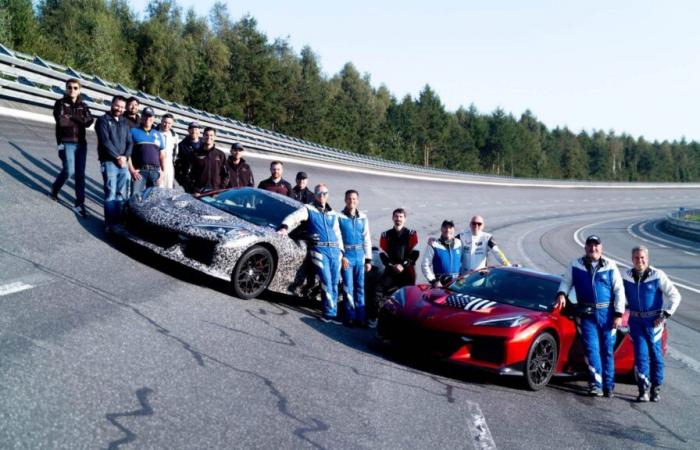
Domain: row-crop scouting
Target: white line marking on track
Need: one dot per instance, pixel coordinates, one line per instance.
(478, 429)
(685, 359)
(689, 253)
(11, 288)
(620, 263)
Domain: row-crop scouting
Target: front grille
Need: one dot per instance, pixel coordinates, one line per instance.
(488, 349)
(151, 233)
(200, 250)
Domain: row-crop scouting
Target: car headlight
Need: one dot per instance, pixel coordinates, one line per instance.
(505, 322)
(217, 229)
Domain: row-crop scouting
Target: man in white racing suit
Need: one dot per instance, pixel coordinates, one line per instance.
(476, 246)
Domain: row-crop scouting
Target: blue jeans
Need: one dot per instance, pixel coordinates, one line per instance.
(148, 179)
(115, 179)
(73, 158)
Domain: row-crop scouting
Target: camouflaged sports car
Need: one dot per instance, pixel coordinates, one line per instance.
(229, 234)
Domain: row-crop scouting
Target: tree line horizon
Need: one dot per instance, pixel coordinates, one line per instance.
(230, 67)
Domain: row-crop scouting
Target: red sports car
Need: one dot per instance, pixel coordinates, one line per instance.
(501, 319)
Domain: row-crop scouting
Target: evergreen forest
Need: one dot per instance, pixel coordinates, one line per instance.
(229, 66)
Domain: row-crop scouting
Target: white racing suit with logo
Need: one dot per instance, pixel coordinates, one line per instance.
(442, 260)
(601, 298)
(326, 249)
(358, 251)
(476, 249)
(645, 294)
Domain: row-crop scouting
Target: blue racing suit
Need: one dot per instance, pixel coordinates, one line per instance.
(325, 246)
(601, 298)
(442, 260)
(358, 251)
(646, 293)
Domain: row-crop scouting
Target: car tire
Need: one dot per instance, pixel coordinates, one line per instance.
(253, 272)
(541, 361)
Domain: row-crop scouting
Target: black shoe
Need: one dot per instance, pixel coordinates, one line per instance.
(656, 393)
(53, 195)
(608, 394)
(80, 210)
(643, 396)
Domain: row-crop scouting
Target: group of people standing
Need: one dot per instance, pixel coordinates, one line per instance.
(132, 149)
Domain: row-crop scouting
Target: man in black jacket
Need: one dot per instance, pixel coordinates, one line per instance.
(300, 192)
(72, 117)
(190, 144)
(208, 165)
(114, 150)
(239, 172)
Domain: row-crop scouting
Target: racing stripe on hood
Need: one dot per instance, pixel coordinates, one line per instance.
(468, 302)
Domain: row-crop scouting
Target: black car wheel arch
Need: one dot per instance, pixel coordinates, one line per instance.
(253, 272)
(541, 361)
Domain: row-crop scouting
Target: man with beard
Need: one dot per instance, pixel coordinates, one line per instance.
(208, 165)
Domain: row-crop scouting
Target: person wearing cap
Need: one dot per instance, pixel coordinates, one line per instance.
(183, 162)
(147, 162)
(239, 172)
(208, 170)
(325, 246)
(652, 299)
(170, 140)
(600, 304)
(300, 192)
(132, 112)
(443, 257)
(477, 245)
(354, 227)
(276, 183)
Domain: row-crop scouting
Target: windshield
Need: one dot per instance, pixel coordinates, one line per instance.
(252, 205)
(506, 286)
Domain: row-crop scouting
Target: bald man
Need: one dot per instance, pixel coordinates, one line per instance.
(476, 246)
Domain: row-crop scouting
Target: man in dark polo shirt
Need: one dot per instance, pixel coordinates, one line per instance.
(148, 156)
(208, 165)
(276, 183)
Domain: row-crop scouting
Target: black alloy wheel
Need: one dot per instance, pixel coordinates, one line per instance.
(541, 361)
(253, 272)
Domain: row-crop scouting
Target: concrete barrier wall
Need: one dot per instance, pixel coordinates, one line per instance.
(677, 224)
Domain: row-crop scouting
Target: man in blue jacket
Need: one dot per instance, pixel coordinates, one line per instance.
(652, 299)
(443, 257)
(354, 227)
(114, 150)
(601, 304)
(326, 246)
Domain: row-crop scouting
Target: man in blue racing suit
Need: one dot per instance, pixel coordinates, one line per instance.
(601, 303)
(326, 246)
(354, 226)
(646, 289)
(443, 257)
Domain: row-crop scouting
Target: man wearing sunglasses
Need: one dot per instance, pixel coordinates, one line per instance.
(72, 117)
(325, 246)
(476, 246)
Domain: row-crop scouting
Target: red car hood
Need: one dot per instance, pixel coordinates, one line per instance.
(448, 311)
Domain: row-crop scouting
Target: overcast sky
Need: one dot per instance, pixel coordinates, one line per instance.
(627, 66)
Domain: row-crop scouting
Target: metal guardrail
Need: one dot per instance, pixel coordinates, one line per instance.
(32, 80)
(677, 223)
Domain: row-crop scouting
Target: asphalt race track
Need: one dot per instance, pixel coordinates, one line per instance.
(102, 346)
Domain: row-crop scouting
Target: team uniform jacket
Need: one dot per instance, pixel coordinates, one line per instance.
(239, 175)
(208, 170)
(476, 249)
(597, 287)
(323, 230)
(355, 232)
(646, 295)
(442, 259)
